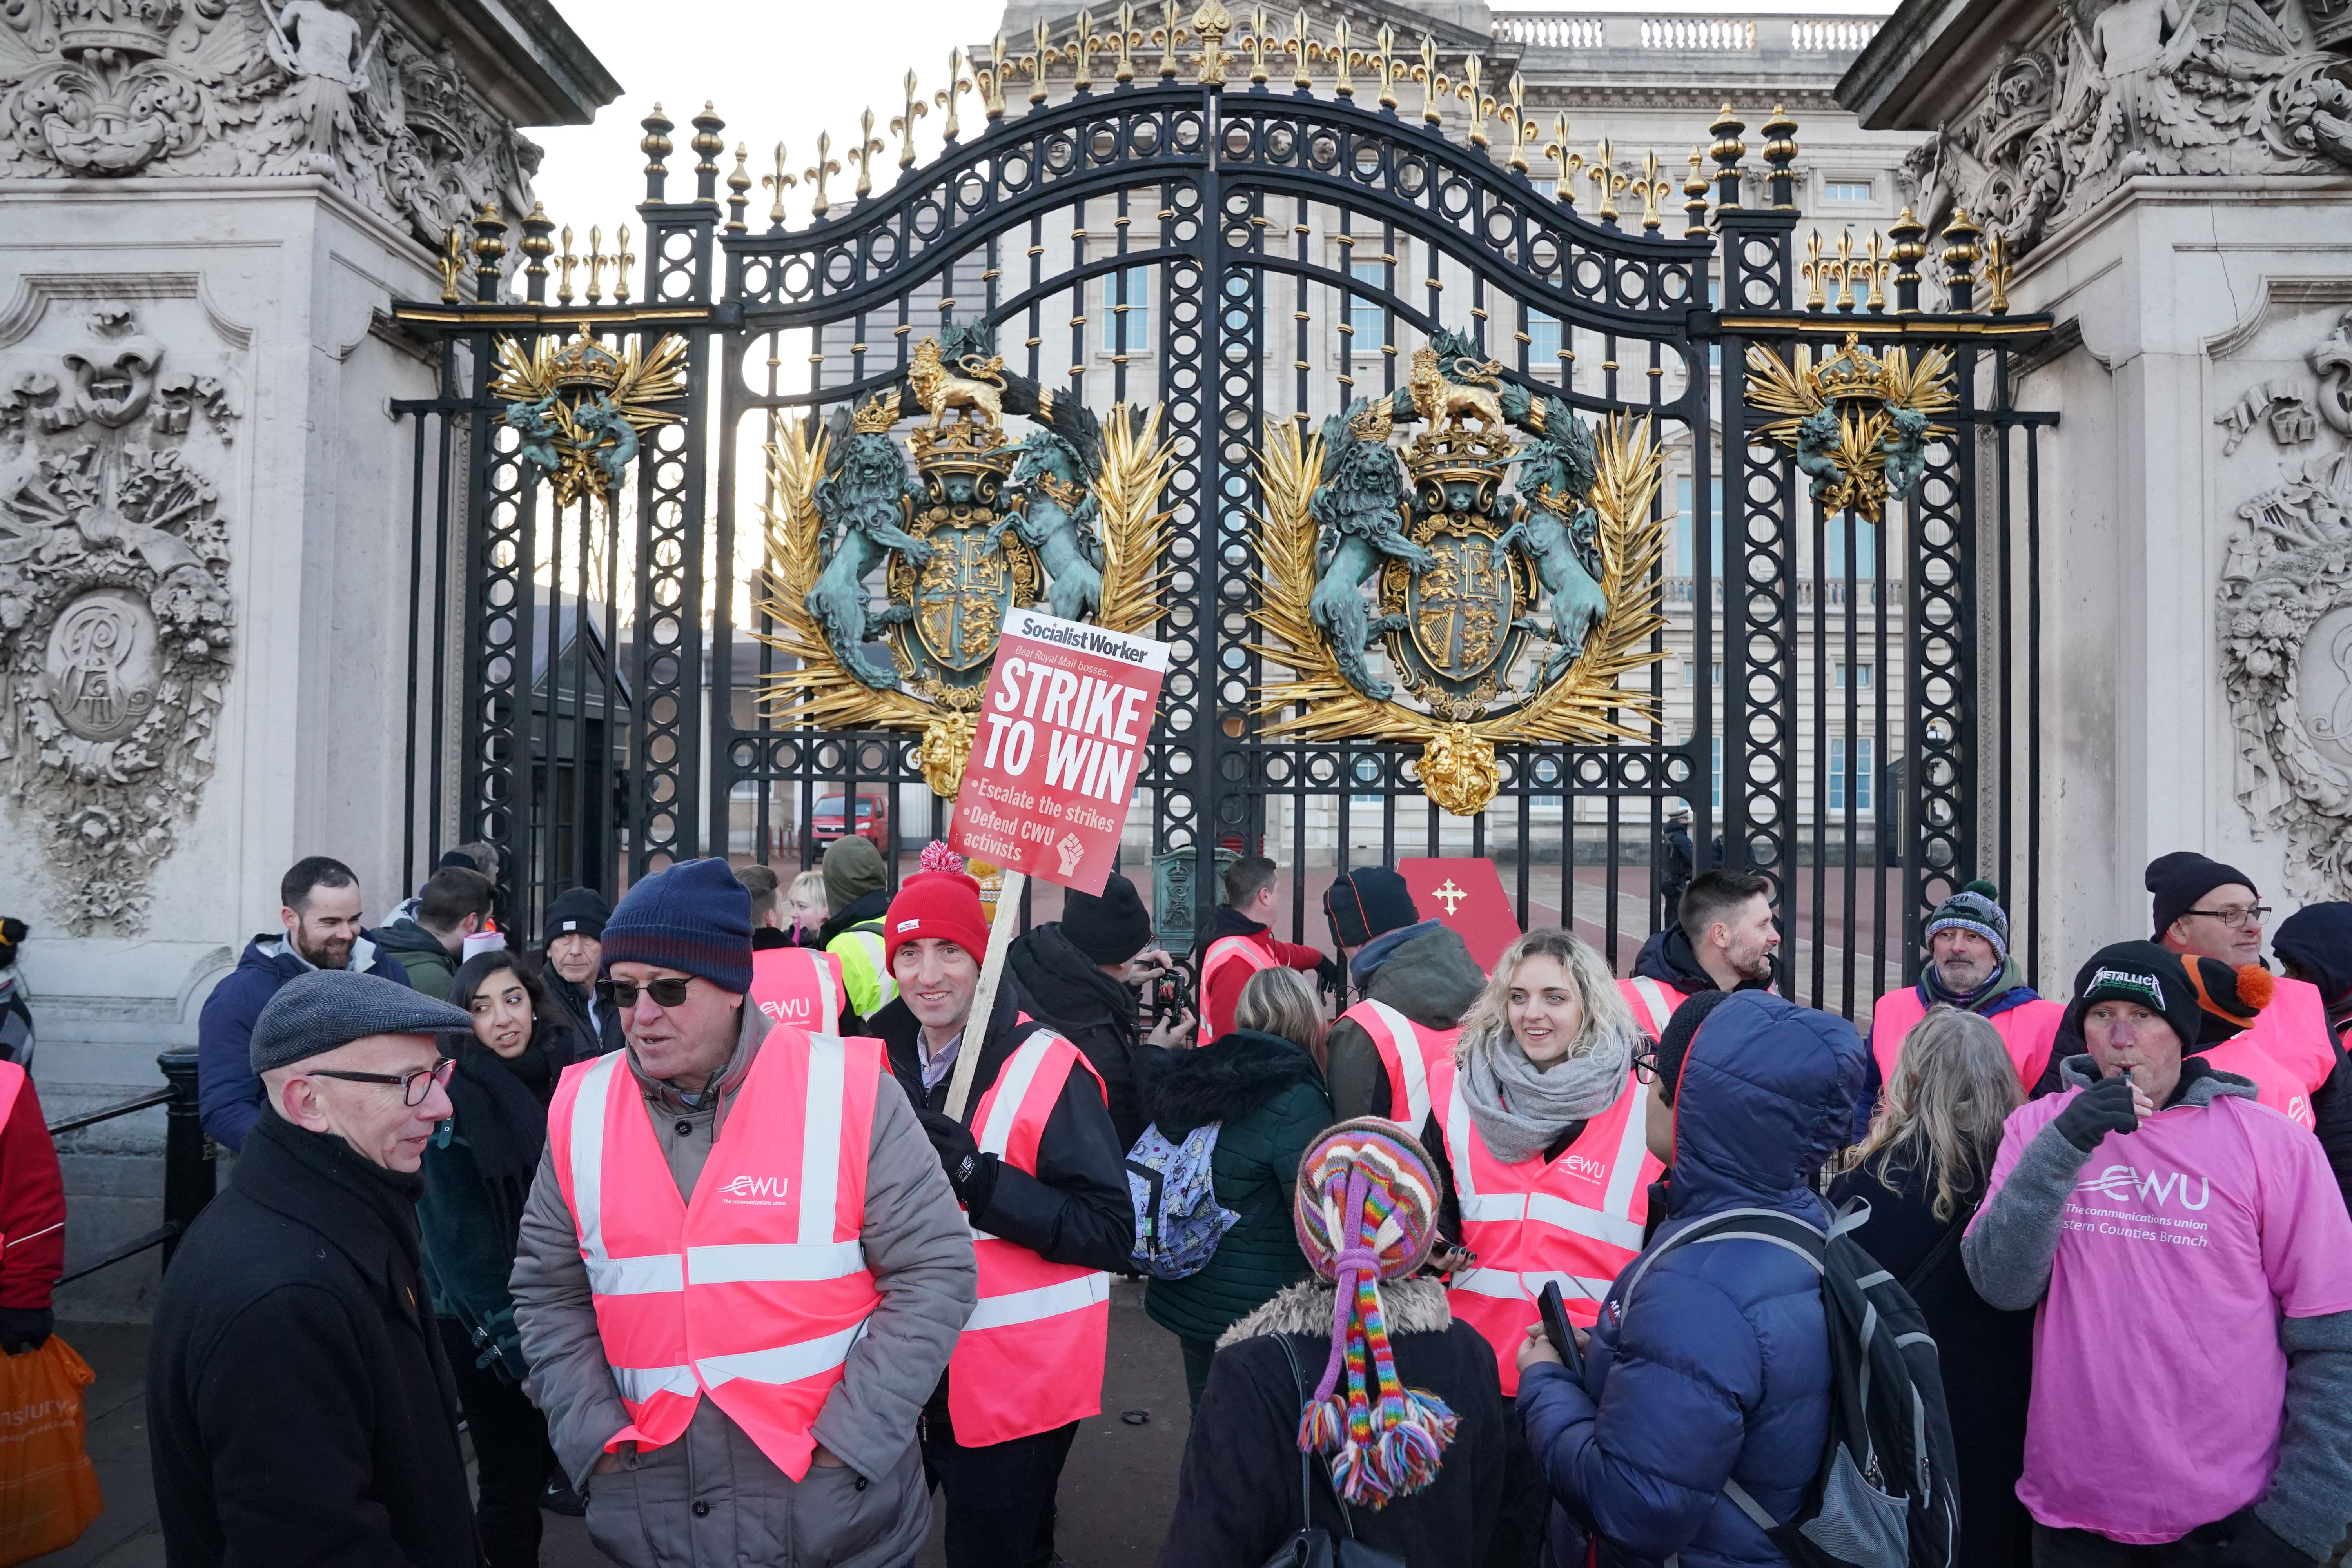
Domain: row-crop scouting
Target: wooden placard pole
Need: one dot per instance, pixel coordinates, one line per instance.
(984, 998)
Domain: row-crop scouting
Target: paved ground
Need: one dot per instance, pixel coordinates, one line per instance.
(1115, 1497)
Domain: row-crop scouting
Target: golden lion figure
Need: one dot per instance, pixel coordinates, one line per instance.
(1473, 387)
(939, 388)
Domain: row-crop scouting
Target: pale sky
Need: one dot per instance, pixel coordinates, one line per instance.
(793, 67)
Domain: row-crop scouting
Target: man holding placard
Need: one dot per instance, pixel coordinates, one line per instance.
(1019, 1117)
(1039, 1171)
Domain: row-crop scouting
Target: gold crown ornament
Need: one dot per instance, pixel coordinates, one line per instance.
(876, 415)
(583, 364)
(1854, 372)
(1455, 451)
(965, 446)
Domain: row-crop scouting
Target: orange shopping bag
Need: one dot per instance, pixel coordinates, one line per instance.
(49, 1488)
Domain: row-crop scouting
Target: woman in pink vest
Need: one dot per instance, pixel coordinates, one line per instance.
(1543, 1119)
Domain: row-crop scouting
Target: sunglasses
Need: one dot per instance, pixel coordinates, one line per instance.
(667, 992)
(415, 1084)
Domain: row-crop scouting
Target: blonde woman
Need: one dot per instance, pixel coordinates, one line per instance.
(1922, 1170)
(804, 909)
(1542, 1116)
(1263, 1085)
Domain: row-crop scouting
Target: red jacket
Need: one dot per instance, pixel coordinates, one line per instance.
(1224, 992)
(32, 1204)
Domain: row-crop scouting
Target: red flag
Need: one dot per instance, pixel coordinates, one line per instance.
(1467, 895)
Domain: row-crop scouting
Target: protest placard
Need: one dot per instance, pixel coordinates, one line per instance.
(1057, 744)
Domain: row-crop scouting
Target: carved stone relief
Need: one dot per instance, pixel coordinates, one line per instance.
(115, 620)
(2108, 90)
(255, 87)
(2285, 620)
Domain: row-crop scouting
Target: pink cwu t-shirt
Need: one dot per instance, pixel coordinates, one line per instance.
(2158, 1383)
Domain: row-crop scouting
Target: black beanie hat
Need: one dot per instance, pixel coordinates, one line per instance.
(1109, 928)
(2178, 879)
(2143, 973)
(581, 912)
(2317, 940)
(1681, 1030)
(1363, 904)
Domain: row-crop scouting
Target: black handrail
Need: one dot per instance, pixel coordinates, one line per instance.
(190, 1178)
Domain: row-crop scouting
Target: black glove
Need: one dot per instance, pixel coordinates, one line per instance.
(1328, 976)
(972, 1174)
(2105, 1107)
(2253, 1544)
(24, 1329)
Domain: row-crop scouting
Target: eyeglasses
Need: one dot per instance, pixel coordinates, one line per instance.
(667, 992)
(2235, 919)
(1645, 1063)
(415, 1084)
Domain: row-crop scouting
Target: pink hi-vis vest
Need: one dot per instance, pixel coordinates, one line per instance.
(754, 1292)
(2028, 1030)
(798, 986)
(2288, 1052)
(1410, 1053)
(1652, 1004)
(1577, 1220)
(1031, 1358)
(1222, 952)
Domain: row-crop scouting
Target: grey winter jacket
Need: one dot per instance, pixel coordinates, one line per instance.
(651, 1512)
(1431, 979)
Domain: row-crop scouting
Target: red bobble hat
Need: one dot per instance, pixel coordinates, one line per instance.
(942, 904)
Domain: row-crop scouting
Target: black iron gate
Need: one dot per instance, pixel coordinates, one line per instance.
(1842, 698)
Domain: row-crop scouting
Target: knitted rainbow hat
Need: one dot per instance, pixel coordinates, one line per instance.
(1366, 1210)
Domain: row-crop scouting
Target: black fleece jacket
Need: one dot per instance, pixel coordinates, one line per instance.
(1076, 1208)
(299, 1406)
(1087, 1007)
(864, 907)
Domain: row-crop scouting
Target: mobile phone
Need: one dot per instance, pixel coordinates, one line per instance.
(1556, 1328)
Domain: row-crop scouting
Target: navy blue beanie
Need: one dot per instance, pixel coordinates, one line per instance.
(694, 918)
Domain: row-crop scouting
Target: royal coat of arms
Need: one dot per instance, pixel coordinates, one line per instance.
(582, 410)
(891, 568)
(1503, 615)
(1859, 422)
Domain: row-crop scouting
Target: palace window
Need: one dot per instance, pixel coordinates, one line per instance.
(1367, 316)
(1846, 190)
(1134, 337)
(1858, 778)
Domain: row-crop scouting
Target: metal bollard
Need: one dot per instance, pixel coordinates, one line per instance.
(189, 1176)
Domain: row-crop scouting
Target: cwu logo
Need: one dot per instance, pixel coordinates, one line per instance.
(755, 1189)
(788, 1009)
(2122, 1183)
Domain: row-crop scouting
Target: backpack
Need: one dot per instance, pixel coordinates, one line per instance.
(1178, 1221)
(1885, 1494)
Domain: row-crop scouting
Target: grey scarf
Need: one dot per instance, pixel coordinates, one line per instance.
(1520, 1108)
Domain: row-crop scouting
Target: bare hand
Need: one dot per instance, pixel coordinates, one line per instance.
(1147, 966)
(2142, 1105)
(828, 1457)
(1174, 1033)
(1448, 1257)
(1537, 1347)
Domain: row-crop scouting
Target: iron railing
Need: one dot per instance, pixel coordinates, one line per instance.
(189, 1175)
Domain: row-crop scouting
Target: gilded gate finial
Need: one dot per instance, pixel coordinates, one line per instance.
(595, 265)
(623, 263)
(904, 125)
(1564, 179)
(1081, 48)
(1346, 86)
(1302, 46)
(1212, 22)
(958, 85)
(1256, 45)
(825, 164)
(738, 188)
(1431, 82)
(992, 80)
(563, 265)
(1385, 62)
(776, 183)
(453, 264)
(1040, 55)
(1168, 35)
(1126, 68)
(1514, 115)
(1695, 188)
(863, 154)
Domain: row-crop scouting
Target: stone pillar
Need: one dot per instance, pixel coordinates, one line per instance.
(2183, 206)
(205, 210)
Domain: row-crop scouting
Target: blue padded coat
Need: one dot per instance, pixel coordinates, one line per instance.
(1721, 1366)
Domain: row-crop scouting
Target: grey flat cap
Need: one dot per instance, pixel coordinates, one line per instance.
(317, 1012)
